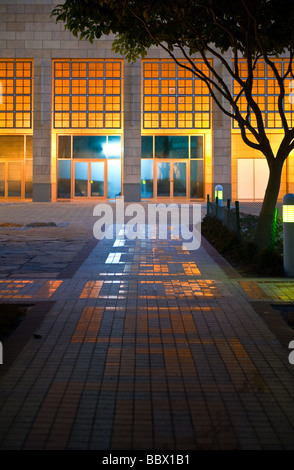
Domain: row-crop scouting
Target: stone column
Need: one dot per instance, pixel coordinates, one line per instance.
(132, 132)
(221, 144)
(42, 131)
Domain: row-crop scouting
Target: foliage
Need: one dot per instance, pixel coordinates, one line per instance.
(269, 263)
(223, 239)
(248, 225)
(243, 255)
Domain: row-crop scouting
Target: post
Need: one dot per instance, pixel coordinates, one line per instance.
(218, 193)
(238, 220)
(288, 234)
(228, 213)
(207, 207)
(218, 196)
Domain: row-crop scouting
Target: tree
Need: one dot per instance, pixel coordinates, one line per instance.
(226, 30)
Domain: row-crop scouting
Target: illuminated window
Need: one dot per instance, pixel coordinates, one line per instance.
(87, 94)
(85, 162)
(173, 97)
(16, 94)
(188, 149)
(265, 91)
(16, 166)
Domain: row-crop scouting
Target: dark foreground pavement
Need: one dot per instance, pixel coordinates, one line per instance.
(138, 344)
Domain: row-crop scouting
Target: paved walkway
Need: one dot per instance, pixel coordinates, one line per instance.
(137, 344)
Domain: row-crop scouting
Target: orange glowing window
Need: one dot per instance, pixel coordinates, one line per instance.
(87, 94)
(79, 87)
(265, 91)
(62, 119)
(168, 96)
(112, 69)
(168, 103)
(79, 69)
(96, 87)
(151, 103)
(151, 87)
(62, 103)
(168, 69)
(168, 120)
(151, 70)
(96, 120)
(79, 103)
(79, 120)
(96, 69)
(184, 73)
(16, 78)
(62, 70)
(95, 103)
(112, 120)
(151, 120)
(185, 120)
(185, 87)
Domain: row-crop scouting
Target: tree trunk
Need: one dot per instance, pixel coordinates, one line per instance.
(263, 232)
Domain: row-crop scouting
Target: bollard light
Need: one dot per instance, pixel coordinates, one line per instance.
(218, 193)
(288, 213)
(288, 234)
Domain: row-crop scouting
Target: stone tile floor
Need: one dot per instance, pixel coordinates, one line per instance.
(138, 344)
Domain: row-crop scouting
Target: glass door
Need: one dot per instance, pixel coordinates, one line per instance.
(179, 179)
(171, 179)
(97, 179)
(163, 179)
(14, 179)
(81, 179)
(89, 179)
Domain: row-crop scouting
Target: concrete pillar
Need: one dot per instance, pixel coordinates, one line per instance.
(221, 142)
(132, 132)
(42, 191)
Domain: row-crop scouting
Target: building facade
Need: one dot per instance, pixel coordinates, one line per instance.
(78, 122)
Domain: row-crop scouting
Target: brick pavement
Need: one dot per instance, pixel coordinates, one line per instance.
(139, 344)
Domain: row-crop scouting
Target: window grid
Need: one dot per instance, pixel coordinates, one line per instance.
(16, 83)
(87, 95)
(266, 93)
(174, 98)
(187, 152)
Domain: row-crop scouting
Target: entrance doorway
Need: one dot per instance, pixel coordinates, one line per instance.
(89, 166)
(89, 179)
(172, 167)
(171, 178)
